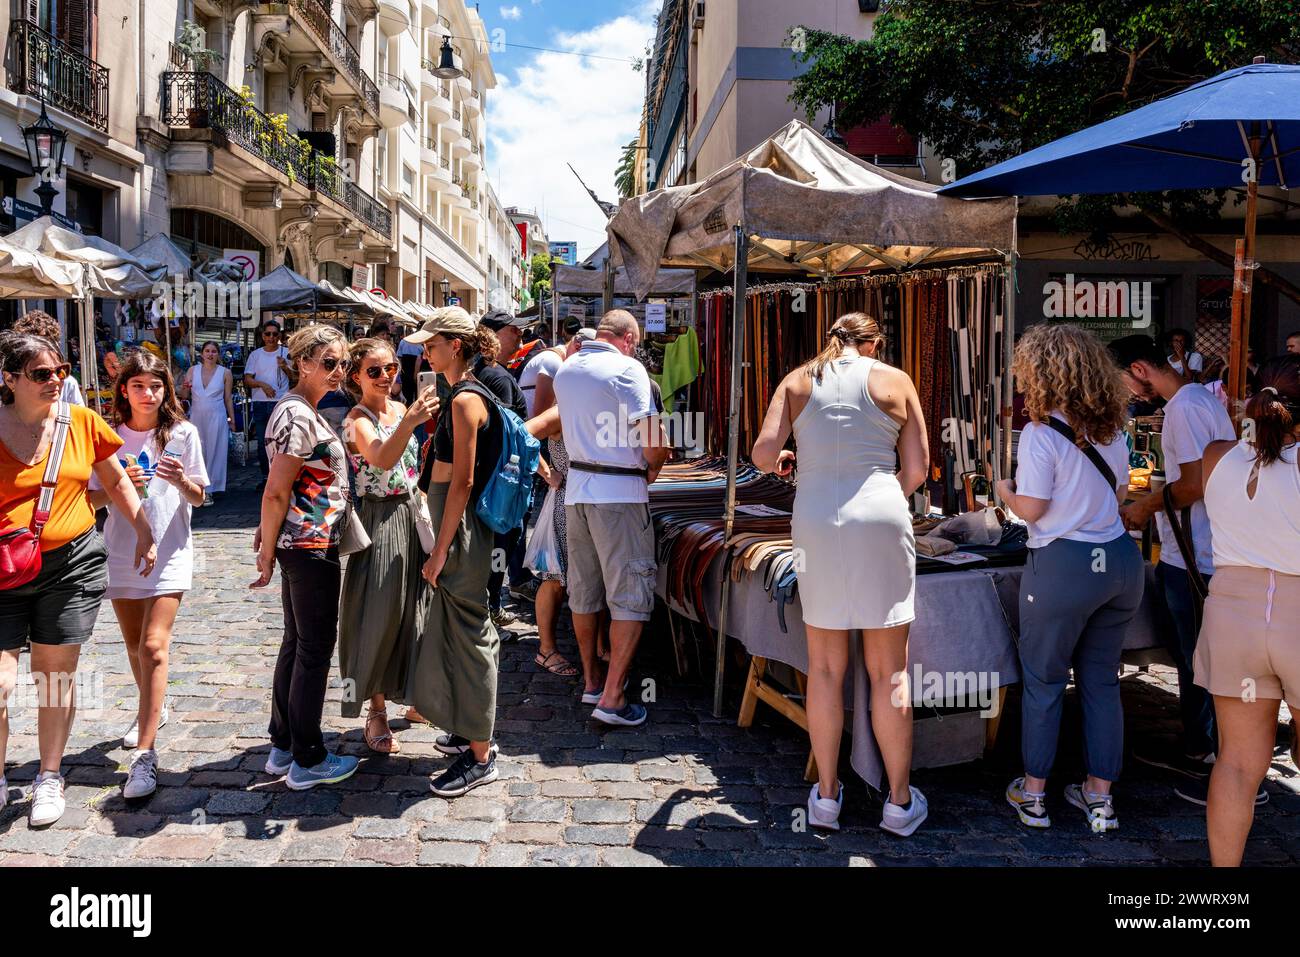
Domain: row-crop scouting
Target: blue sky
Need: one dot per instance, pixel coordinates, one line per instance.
(553, 108)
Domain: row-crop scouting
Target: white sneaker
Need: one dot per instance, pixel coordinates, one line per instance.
(903, 822)
(47, 799)
(132, 737)
(142, 776)
(1097, 808)
(4, 792)
(824, 813)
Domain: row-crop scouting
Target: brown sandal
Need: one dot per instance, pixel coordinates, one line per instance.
(383, 743)
(561, 669)
(414, 717)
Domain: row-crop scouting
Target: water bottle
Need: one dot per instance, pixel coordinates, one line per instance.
(511, 471)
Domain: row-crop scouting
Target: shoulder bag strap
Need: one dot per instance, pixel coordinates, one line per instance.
(1088, 449)
(1180, 523)
(53, 462)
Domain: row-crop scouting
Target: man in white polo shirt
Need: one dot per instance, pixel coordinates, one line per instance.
(616, 446)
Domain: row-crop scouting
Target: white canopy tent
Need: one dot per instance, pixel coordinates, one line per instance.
(43, 260)
(797, 204)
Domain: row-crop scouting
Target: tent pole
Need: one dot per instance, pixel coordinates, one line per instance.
(733, 440)
(607, 297)
(1008, 355)
(1243, 279)
(555, 313)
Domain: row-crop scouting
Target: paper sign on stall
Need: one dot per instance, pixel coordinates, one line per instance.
(760, 511)
(656, 317)
(957, 558)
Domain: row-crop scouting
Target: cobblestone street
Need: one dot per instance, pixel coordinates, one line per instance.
(685, 789)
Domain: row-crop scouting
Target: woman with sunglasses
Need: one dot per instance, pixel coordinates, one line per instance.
(303, 508)
(381, 587)
(56, 610)
(453, 680)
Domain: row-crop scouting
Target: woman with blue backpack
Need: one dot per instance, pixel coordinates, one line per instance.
(453, 677)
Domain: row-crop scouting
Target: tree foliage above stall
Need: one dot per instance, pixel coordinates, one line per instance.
(985, 80)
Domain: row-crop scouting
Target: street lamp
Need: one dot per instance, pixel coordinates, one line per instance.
(446, 289)
(447, 69)
(45, 145)
(831, 134)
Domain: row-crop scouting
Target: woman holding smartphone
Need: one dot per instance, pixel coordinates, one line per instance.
(165, 460)
(381, 587)
(453, 680)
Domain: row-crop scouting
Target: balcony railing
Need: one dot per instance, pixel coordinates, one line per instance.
(455, 112)
(201, 101)
(45, 67)
(337, 42)
(445, 163)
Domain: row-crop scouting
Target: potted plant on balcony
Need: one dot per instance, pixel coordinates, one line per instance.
(190, 45)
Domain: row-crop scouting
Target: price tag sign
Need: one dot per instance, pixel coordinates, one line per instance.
(656, 317)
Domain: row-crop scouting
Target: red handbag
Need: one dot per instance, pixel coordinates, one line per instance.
(20, 548)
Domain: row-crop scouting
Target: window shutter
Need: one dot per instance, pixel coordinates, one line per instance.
(74, 22)
(30, 11)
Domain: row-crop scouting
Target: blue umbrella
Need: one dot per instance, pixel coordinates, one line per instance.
(1242, 126)
(1197, 138)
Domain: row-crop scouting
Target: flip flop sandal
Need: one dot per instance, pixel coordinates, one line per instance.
(380, 743)
(414, 717)
(556, 669)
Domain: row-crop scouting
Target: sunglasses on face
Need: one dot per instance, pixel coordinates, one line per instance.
(45, 374)
(272, 333)
(329, 365)
(388, 368)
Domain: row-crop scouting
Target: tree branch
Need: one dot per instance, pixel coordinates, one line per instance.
(1212, 252)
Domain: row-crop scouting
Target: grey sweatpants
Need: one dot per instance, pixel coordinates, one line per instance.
(1076, 600)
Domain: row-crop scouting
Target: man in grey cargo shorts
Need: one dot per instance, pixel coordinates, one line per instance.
(616, 446)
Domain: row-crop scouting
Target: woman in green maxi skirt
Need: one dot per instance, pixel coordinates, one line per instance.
(378, 610)
(453, 678)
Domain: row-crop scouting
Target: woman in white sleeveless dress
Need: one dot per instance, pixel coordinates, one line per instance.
(853, 418)
(212, 413)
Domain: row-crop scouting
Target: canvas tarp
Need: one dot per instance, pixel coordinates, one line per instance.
(28, 275)
(106, 269)
(809, 208)
(577, 281)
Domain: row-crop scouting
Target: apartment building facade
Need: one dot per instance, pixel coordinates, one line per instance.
(505, 263)
(78, 58)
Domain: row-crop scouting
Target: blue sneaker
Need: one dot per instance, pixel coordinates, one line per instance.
(630, 715)
(278, 762)
(335, 768)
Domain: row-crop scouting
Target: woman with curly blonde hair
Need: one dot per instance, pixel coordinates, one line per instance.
(1084, 577)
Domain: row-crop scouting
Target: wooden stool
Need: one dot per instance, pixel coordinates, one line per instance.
(756, 690)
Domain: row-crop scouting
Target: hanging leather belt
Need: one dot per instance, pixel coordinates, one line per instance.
(608, 469)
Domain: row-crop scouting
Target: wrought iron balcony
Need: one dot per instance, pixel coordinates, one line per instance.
(327, 178)
(45, 67)
(336, 41)
(201, 101)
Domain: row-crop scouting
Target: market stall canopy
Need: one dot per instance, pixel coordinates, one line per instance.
(577, 281)
(108, 270)
(283, 289)
(809, 207)
(160, 248)
(1197, 138)
(28, 275)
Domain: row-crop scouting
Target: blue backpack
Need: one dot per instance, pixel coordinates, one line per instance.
(508, 492)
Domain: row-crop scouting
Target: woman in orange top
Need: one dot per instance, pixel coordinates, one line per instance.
(56, 610)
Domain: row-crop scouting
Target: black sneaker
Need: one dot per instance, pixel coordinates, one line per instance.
(465, 775)
(1198, 792)
(1198, 769)
(452, 744)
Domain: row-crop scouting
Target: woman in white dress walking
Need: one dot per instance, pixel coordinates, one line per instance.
(852, 418)
(208, 387)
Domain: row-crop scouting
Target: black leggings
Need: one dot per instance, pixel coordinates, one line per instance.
(310, 593)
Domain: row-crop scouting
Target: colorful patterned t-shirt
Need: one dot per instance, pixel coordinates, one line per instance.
(318, 499)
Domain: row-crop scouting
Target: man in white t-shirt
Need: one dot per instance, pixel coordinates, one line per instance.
(1193, 418)
(266, 375)
(616, 446)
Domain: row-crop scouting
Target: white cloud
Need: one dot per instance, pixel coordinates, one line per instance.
(511, 13)
(556, 109)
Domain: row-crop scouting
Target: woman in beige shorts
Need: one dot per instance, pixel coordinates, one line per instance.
(1248, 654)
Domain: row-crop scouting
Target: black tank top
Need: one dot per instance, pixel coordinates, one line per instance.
(487, 449)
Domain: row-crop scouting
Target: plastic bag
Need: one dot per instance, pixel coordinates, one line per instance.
(543, 553)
